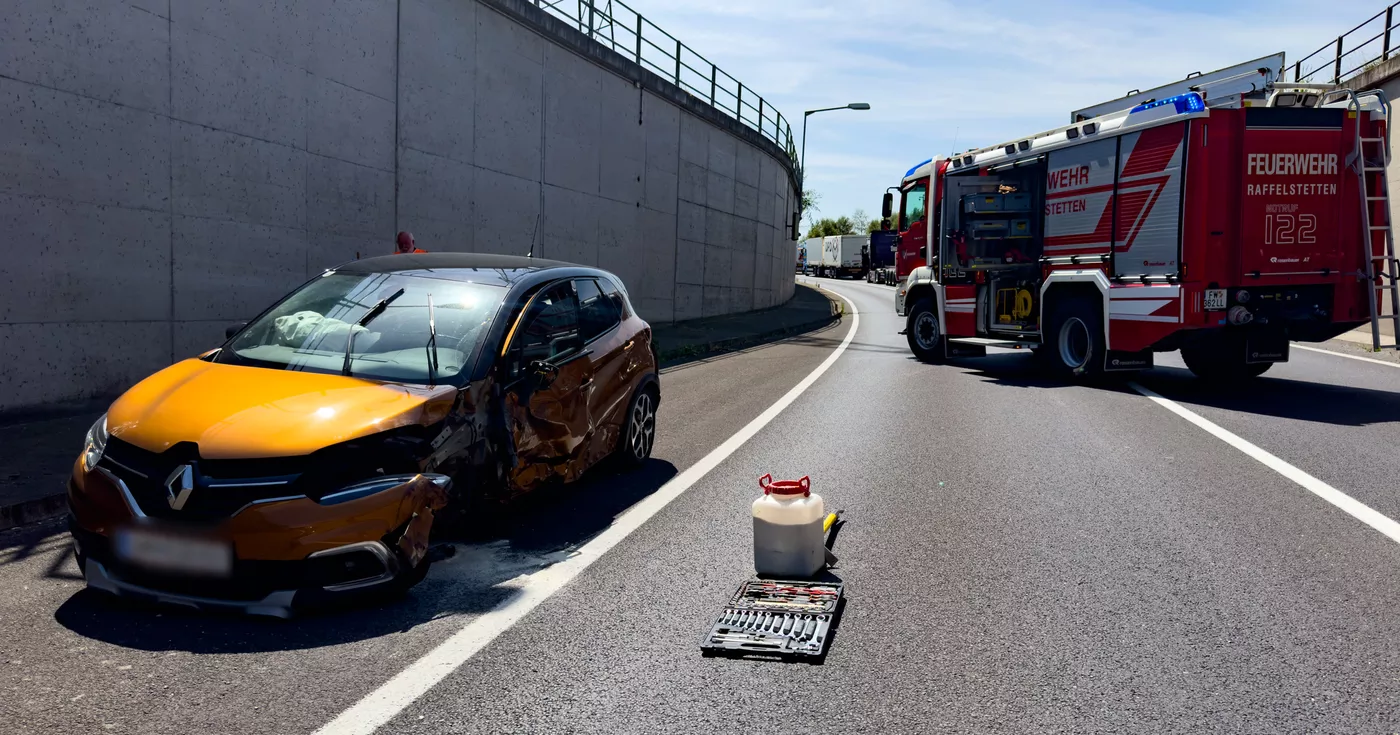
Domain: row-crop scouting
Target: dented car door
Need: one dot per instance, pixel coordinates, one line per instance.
(600, 318)
(547, 370)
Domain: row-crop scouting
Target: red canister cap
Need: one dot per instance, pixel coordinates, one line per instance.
(801, 487)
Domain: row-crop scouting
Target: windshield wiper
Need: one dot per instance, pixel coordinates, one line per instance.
(432, 345)
(369, 316)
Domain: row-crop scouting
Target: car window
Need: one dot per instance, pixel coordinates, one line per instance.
(597, 312)
(549, 331)
(430, 326)
(614, 295)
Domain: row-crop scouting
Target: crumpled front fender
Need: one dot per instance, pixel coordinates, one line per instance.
(424, 499)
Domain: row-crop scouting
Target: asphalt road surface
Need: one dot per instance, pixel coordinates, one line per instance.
(1020, 556)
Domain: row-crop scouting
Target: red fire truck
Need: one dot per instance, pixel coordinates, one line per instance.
(1225, 228)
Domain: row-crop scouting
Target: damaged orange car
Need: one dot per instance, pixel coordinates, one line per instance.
(308, 457)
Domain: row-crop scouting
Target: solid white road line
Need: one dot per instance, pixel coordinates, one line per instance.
(1349, 357)
(381, 705)
(1353, 507)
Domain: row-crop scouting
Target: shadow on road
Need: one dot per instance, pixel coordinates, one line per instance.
(1023, 370)
(532, 534)
(48, 538)
(1297, 400)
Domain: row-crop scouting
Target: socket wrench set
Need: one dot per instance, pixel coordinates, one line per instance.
(776, 617)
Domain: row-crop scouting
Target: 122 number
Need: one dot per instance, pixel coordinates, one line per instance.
(1279, 229)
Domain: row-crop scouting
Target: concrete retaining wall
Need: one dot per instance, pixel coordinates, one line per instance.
(168, 167)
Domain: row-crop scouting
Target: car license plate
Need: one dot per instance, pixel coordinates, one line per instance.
(1215, 299)
(171, 553)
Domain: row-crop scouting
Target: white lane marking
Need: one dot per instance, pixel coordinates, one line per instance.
(1349, 357)
(1353, 507)
(381, 705)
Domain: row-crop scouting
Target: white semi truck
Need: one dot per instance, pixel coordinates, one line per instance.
(837, 255)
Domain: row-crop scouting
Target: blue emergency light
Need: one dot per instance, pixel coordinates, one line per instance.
(1189, 102)
(911, 171)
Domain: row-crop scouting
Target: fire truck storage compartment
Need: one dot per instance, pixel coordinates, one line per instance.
(1147, 202)
(996, 228)
(994, 225)
(1014, 295)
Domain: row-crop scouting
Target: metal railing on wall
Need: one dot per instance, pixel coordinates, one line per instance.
(1358, 49)
(617, 26)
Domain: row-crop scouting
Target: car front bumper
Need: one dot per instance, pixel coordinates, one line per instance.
(283, 551)
(276, 604)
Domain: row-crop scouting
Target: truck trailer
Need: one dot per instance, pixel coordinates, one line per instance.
(1226, 228)
(841, 256)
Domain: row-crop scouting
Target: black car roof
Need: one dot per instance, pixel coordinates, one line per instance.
(425, 261)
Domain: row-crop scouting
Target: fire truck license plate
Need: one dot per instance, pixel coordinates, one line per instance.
(1215, 299)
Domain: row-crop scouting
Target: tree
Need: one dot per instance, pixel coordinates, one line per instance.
(826, 226)
(809, 206)
(874, 225)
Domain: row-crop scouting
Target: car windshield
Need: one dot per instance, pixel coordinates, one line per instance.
(309, 330)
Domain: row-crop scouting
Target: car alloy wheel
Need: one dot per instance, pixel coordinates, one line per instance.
(641, 427)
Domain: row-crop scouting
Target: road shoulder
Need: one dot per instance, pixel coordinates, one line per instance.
(808, 309)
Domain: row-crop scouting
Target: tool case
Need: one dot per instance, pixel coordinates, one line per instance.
(785, 618)
(979, 203)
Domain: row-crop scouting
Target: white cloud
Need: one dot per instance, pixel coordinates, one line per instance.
(939, 73)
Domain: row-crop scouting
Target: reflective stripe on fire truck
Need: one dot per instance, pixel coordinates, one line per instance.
(1145, 303)
(964, 306)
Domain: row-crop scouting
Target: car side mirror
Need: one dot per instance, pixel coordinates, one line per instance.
(544, 371)
(233, 329)
(887, 206)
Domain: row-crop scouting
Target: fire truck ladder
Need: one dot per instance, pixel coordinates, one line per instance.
(1382, 271)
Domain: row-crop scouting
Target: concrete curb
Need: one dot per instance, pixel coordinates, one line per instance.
(670, 356)
(33, 511)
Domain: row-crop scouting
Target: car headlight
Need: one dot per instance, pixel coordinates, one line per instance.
(95, 443)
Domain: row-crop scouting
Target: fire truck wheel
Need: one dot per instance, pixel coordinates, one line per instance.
(1076, 347)
(925, 334)
(1212, 362)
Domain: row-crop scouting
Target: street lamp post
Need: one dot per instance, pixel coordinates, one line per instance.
(802, 160)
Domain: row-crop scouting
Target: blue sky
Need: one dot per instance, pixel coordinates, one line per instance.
(943, 74)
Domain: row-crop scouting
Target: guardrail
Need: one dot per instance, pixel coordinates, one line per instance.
(617, 26)
(1354, 51)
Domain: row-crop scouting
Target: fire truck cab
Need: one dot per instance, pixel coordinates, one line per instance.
(910, 220)
(1224, 230)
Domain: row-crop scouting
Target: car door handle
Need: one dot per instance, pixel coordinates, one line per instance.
(628, 344)
(586, 383)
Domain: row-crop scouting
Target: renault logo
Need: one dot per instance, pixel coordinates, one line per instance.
(179, 485)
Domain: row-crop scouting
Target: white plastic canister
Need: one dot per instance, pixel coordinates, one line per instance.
(788, 540)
